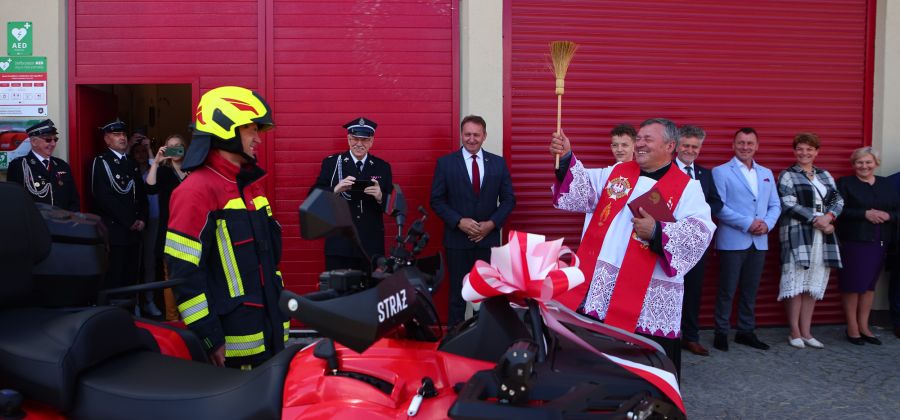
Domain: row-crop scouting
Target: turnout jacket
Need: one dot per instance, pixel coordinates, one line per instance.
(368, 215)
(54, 186)
(223, 240)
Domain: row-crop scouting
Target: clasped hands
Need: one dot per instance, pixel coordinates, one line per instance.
(476, 231)
(346, 183)
(877, 216)
(824, 223)
(758, 227)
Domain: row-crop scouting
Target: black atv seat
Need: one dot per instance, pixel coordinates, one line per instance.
(42, 351)
(145, 385)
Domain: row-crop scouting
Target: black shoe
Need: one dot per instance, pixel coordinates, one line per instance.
(749, 339)
(870, 339)
(720, 341)
(856, 340)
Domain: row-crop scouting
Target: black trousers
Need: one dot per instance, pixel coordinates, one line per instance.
(460, 262)
(894, 297)
(690, 309)
(124, 265)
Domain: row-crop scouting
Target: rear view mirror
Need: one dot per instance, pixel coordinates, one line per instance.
(324, 214)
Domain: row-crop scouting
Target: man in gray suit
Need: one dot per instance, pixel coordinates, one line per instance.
(750, 210)
(472, 193)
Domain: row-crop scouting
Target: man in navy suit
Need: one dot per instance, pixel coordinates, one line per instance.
(690, 141)
(750, 209)
(472, 193)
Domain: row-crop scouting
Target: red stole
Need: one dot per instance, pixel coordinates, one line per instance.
(634, 276)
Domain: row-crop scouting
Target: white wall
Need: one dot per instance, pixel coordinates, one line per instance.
(886, 115)
(49, 39)
(886, 106)
(481, 66)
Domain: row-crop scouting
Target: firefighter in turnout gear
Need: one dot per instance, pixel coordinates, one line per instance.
(222, 237)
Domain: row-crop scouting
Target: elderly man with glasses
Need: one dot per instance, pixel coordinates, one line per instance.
(47, 178)
(365, 182)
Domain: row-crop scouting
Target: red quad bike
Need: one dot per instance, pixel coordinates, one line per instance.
(381, 354)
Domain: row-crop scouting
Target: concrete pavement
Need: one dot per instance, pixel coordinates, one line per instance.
(841, 381)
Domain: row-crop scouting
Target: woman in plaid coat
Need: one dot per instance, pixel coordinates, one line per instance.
(809, 249)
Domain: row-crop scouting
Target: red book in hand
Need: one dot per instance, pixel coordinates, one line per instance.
(652, 202)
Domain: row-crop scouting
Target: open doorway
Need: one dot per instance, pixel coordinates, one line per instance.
(159, 109)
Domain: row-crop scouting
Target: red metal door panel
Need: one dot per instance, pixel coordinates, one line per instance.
(96, 109)
(780, 66)
(393, 62)
(318, 63)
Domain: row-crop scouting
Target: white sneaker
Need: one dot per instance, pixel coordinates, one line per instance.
(812, 342)
(796, 342)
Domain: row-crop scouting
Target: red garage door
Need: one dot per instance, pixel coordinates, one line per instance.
(779, 66)
(318, 63)
(393, 62)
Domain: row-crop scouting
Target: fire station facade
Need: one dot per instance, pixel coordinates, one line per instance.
(415, 67)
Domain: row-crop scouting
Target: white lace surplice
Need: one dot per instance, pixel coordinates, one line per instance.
(684, 242)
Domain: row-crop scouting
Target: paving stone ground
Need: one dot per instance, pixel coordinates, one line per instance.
(841, 381)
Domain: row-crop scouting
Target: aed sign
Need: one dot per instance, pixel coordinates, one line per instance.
(18, 38)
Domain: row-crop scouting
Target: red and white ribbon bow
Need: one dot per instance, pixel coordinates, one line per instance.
(528, 266)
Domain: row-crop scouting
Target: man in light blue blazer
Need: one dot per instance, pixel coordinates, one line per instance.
(750, 210)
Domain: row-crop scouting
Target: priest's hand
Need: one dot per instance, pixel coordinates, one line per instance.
(644, 225)
(559, 144)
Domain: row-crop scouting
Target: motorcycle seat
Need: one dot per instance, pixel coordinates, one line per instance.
(147, 385)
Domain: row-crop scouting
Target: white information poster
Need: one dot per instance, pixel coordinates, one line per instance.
(23, 87)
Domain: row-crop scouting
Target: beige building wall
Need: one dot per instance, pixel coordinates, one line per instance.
(886, 115)
(481, 66)
(886, 106)
(49, 39)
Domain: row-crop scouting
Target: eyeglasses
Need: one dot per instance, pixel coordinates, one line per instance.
(49, 139)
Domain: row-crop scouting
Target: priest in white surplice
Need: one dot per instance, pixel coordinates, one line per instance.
(636, 264)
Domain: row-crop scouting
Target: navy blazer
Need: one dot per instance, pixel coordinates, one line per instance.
(453, 198)
(710, 192)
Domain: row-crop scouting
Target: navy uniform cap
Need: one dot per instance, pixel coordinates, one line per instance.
(116, 126)
(41, 128)
(361, 127)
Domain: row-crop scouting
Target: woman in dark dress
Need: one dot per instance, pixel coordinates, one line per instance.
(164, 176)
(866, 227)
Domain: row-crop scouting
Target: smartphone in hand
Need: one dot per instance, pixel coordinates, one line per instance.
(174, 151)
(361, 184)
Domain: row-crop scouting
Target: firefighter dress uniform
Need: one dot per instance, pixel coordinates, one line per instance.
(46, 180)
(120, 200)
(51, 183)
(367, 213)
(223, 239)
